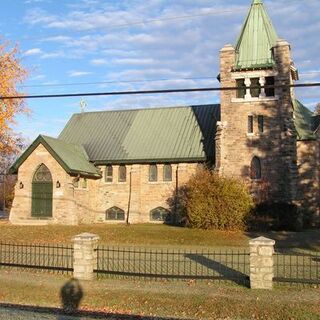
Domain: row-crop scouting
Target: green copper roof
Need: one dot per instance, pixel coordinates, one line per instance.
(71, 157)
(145, 135)
(256, 39)
(303, 120)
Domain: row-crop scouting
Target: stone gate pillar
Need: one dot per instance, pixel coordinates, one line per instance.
(261, 263)
(85, 255)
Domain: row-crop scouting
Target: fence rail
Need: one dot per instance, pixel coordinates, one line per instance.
(57, 258)
(171, 264)
(174, 264)
(297, 268)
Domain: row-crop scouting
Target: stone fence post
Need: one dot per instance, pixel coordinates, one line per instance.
(85, 255)
(261, 263)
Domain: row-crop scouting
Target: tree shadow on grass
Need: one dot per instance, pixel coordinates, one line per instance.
(222, 271)
(292, 242)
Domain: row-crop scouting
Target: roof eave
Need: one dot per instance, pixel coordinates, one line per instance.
(40, 140)
(148, 161)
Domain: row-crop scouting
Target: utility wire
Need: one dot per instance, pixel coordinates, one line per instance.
(112, 81)
(149, 21)
(69, 84)
(118, 93)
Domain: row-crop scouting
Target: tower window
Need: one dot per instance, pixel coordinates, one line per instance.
(153, 173)
(260, 124)
(269, 91)
(255, 169)
(241, 88)
(255, 87)
(250, 124)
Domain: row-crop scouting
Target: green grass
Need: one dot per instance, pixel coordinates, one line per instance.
(189, 299)
(153, 235)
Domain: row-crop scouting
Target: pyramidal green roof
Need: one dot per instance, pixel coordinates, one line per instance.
(256, 39)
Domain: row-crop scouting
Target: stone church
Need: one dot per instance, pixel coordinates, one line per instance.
(117, 166)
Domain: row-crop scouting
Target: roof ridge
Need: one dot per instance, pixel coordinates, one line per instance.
(150, 108)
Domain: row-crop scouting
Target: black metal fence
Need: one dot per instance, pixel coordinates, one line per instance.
(56, 258)
(299, 268)
(232, 265)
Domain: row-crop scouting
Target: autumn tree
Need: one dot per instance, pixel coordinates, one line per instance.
(12, 73)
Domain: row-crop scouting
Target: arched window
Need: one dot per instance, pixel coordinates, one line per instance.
(108, 174)
(122, 174)
(153, 172)
(42, 187)
(167, 172)
(115, 213)
(160, 214)
(255, 169)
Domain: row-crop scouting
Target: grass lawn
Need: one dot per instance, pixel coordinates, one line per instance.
(154, 235)
(189, 299)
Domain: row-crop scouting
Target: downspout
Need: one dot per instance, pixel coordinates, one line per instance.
(129, 200)
(176, 195)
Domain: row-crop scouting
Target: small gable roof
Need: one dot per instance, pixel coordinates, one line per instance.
(303, 121)
(256, 39)
(173, 134)
(73, 158)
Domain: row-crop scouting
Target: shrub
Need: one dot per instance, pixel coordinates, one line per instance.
(216, 202)
(275, 216)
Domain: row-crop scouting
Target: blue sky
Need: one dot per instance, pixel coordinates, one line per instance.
(89, 41)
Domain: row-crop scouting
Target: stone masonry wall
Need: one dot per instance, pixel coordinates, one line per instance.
(145, 195)
(309, 177)
(74, 205)
(275, 147)
(63, 201)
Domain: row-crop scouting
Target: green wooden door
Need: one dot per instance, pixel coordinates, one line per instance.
(42, 188)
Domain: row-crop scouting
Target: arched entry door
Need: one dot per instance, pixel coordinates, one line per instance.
(42, 193)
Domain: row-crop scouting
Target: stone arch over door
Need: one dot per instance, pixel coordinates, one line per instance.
(42, 188)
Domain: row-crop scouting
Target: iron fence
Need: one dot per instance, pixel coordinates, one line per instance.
(55, 258)
(303, 268)
(145, 263)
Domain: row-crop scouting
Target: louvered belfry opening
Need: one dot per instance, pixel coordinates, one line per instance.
(42, 188)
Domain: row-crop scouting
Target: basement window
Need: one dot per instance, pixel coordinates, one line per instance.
(160, 214)
(115, 213)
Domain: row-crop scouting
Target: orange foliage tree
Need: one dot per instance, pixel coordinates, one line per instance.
(12, 73)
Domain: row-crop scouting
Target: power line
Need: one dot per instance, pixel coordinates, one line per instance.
(113, 81)
(149, 21)
(118, 93)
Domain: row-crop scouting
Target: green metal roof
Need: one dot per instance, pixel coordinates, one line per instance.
(256, 39)
(303, 120)
(72, 157)
(145, 135)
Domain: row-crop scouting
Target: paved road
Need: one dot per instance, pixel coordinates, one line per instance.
(16, 313)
